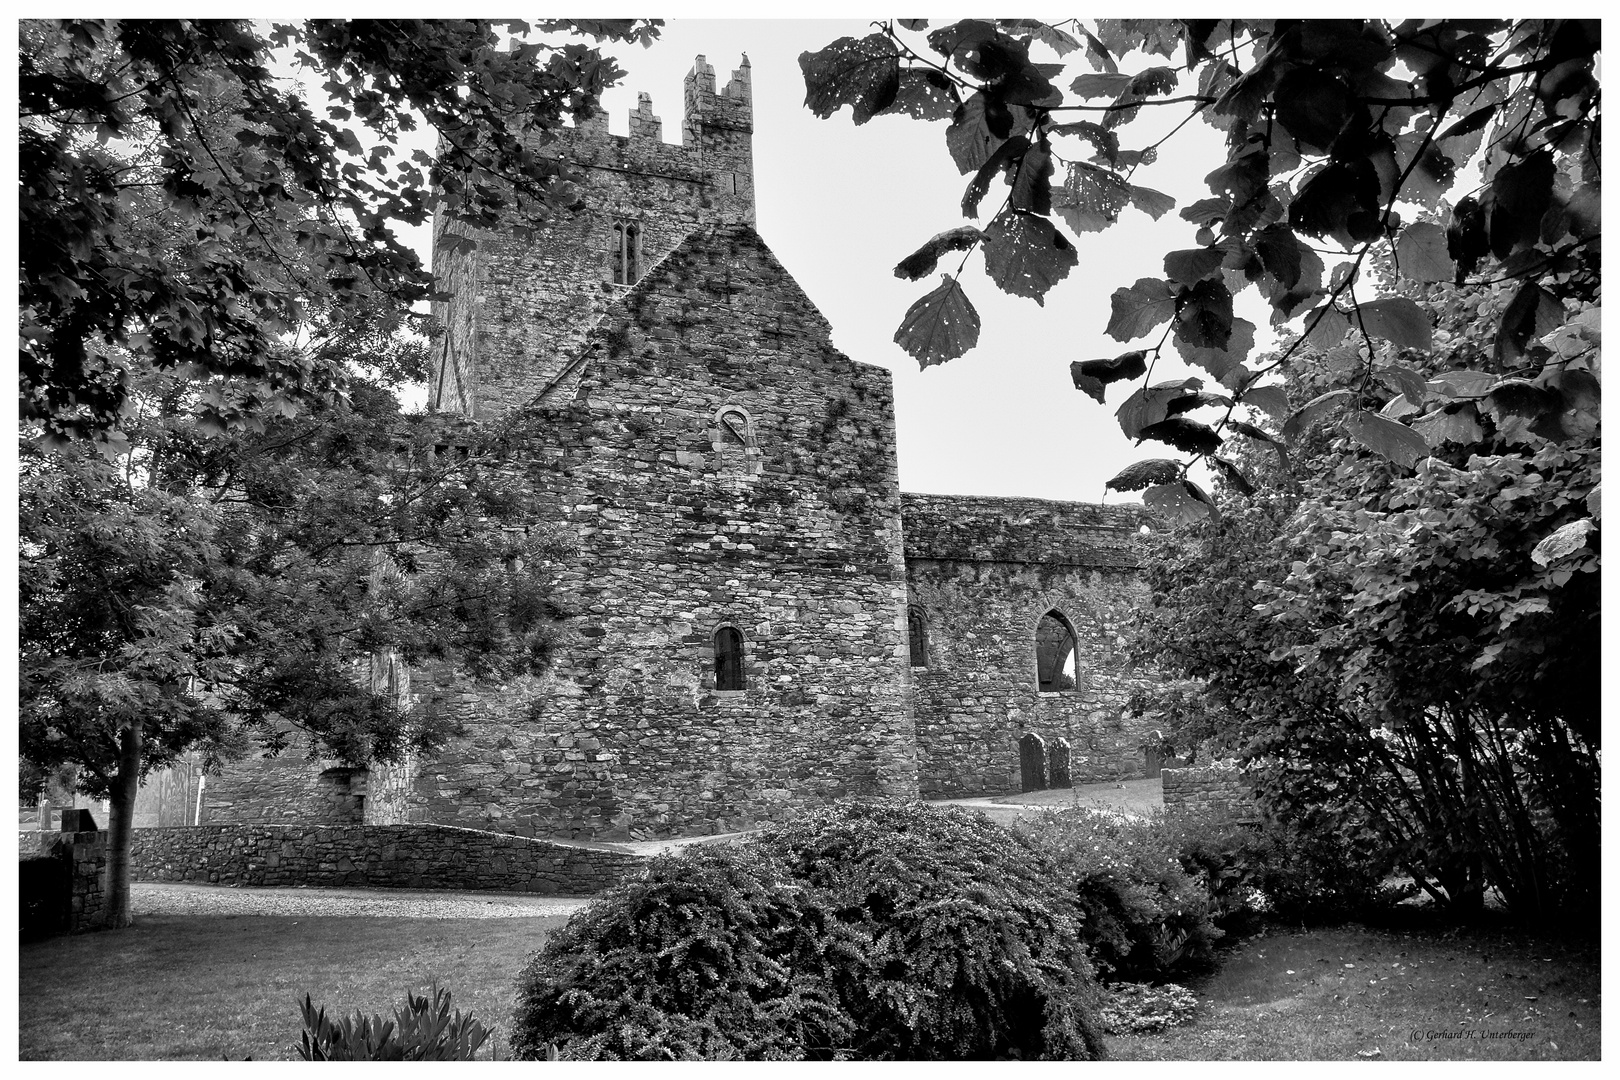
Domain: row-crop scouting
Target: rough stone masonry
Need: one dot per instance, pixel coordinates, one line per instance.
(756, 621)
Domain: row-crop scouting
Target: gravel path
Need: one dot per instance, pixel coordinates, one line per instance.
(167, 898)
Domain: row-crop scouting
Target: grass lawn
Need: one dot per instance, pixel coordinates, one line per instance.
(226, 986)
(216, 986)
(1389, 994)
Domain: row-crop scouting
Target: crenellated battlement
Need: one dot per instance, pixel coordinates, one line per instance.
(521, 304)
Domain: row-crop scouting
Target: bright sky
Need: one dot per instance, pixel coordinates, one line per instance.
(840, 205)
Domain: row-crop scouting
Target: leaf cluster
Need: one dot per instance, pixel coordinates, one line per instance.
(1336, 130)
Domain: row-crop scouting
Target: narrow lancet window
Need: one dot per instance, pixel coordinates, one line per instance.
(1054, 653)
(626, 252)
(918, 630)
(728, 659)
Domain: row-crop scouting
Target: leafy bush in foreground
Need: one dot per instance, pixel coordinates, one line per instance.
(967, 949)
(1145, 913)
(859, 932)
(714, 955)
(419, 1032)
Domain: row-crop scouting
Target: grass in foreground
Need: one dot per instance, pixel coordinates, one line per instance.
(1390, 994)
(216, 986)
(228, 986)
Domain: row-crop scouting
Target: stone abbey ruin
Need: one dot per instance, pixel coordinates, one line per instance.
(757, 619)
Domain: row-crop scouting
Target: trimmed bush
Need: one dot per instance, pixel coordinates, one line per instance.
(1145, 915)
(967, 950)
(714, 955)
(859, 932)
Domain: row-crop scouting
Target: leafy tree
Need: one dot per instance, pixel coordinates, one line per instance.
(1414, 655)
(287, 213)
(1395, 598)
(223, 518)
(213, 593)
(1337, 132)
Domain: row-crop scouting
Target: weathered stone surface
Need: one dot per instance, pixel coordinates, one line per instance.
(984, 572)
(716, 463)
(1214, 789)
(386, 856)
(1057, 767)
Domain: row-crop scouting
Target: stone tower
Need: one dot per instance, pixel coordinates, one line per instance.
(522, 305)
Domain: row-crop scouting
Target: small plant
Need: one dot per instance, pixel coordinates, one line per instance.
(1141, 1009)
(421, 1031)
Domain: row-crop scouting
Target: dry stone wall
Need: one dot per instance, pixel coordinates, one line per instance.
(375, 856)
(1213, 789)
(983, 572)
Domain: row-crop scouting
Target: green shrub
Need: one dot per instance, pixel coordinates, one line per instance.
(861, 931)
(1294, 873)
(421, 1031)
(1140, 1009)
(1144, 914)
(966, 951)
(714, 955)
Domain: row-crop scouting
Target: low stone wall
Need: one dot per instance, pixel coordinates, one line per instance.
(1217, 789)
(74, 897)
(418, 856)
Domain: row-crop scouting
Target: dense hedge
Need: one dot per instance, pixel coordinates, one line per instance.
(859, 932)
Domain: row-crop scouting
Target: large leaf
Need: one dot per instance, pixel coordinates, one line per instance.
(1150, 404)
(1313, 410)
(979, 125)
(1463, 383)
(1205, 318)
(1532, 313)
(1272, 399)
(1140, 308)
(1314, 106)
(924, 94)
(1091, 376)
(1031, 185)
(999, 159)
(1143, 474)
(1456, 423)
(1155, 204)
(1399, 320)
(1421, 253)
(1220, 362)
(1091, 197)
(1183, 434)
(1025, 255)
(924, 259)
(863, 73)
(1191, 265)
(1107, 84)
(1233, 474)
(1178, 502)
(1408, 381)
(1562, 542)
(941, 326)
(1325, 327)
(1388, 438)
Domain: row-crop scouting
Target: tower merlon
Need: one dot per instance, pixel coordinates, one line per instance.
(643, 124)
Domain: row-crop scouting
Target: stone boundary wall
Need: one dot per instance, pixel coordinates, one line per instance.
(1209, 789)
(85, 854)
(417, 856)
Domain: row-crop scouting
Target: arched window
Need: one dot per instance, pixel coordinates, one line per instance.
(918, 631)
(728, 659)
(626, 252)
(1054, 653)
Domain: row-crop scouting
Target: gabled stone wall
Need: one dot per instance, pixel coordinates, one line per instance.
(719, 463)
(983, 571)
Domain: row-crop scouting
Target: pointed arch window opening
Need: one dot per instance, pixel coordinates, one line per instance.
(626, 252)
(1055, 649)
(728, 659)
(917, 631)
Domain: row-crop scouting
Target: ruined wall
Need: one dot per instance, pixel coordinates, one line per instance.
(1214, 789)
(983, 571)
(522, 304)
(719, 463)
(374, 856)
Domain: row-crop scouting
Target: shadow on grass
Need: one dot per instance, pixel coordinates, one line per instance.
(1409, 989)
(227, 986)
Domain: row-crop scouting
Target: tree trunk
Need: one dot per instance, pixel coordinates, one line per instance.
(120, 825)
